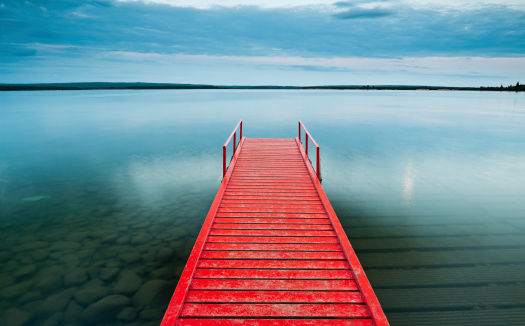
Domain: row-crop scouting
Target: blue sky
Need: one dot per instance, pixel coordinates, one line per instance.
(256, 42)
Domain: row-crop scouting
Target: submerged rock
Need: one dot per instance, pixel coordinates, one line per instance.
(127, 314)
(151, 314)
(153, 293)
(73, 311)
(89, 295)
(16, 317)
(109, 238)
(6, 280)
(128, 283)
(25, 271)
(39, 254)
(49, 283)
(163, 273)
(54, 303)
(164, 254)
(104, 310)
(141, 238)
(107, 274)
(75, 278)
(124, 239)
(35, 198)
(55, 319)
(29, 296)
(15, 290)
(65, 246)
(5, 255)
(32, 246)
(130, 257)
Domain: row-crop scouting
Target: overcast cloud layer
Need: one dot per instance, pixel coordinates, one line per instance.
(66, 40)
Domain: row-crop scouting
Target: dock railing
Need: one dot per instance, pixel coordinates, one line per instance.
(308, 136)
(234, 135)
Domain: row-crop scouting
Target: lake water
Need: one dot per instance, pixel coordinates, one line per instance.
(102, 194)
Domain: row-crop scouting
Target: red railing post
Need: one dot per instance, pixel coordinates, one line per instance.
(299, 130)
(225, 146)
(318, 165)
(306, 137)
(223, 161)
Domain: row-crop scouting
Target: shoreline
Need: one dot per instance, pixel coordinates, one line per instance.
(148, 86)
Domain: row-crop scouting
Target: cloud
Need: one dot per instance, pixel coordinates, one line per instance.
(364, 13)
(304, 31)
(346, 4)
(99, 30)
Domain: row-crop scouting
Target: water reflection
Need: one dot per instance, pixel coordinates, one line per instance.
(408, 183)
(115, 195)
(155, 179)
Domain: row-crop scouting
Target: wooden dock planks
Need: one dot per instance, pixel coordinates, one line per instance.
(272, 251)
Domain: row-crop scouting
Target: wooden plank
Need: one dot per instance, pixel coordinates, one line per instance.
(272, 220)
(273, 233)
(285, 167)
(274, 264)
(279, 193)
(272, 185)
(269, 179)
(299, 255)
(272, 246)
(272, 175)
(275, 274)
(271, 210)
(270, 226)
(269, 201)
(274, 322)
(300, 285)
(274, 296)
(270, 192)
(274, 310)
(251, 239)
(271, 197)
(277, 215)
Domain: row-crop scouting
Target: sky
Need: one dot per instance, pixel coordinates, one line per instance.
(264, 42)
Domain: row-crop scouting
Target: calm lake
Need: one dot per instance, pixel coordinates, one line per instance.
(103, 193)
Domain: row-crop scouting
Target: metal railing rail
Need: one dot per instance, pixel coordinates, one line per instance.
(306, 136)
(234, 135)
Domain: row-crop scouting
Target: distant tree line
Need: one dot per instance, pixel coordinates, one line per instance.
(130, 86)
(518, 87)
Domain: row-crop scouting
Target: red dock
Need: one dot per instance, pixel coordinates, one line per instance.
(271, 250)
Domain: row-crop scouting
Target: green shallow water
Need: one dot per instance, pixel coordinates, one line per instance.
(102, 194)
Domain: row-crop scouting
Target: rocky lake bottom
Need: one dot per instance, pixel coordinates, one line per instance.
(93, 259)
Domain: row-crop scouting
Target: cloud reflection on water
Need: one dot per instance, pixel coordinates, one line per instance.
(408, 183)
(155, 179)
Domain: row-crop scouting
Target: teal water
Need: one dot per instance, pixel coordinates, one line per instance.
(102, 194)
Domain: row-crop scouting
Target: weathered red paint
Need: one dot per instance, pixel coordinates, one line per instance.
(274, 322)
(275, 296)
(271, 250)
